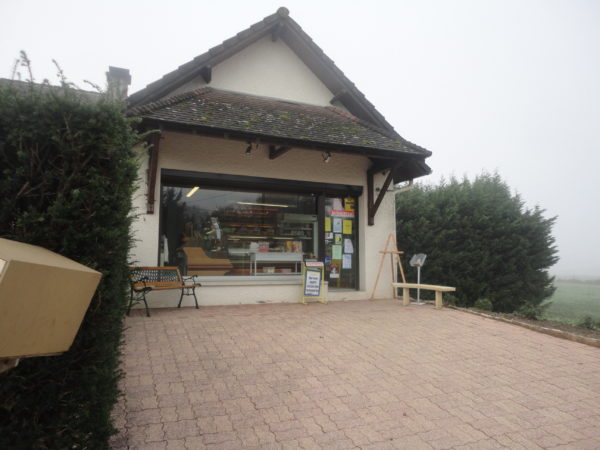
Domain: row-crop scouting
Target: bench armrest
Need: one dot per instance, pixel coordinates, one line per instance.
(189, 278)
(140, 280)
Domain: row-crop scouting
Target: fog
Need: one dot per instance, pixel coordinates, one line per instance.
(507, 86)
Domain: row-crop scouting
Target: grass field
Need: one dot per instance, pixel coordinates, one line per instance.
(573, 301)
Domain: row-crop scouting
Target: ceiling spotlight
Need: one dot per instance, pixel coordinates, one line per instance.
(248, 151)
(326, 156)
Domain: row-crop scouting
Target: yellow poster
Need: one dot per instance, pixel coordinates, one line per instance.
(350, 204)
(327, 224)
(347, 227)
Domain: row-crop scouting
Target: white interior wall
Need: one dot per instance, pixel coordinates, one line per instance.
(202, 154)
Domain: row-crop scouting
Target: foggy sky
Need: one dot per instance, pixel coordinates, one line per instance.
(507, 86)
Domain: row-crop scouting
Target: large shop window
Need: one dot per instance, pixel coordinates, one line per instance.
(215, 232)
(228, 228)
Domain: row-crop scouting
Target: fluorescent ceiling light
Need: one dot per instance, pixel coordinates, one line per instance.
(263, 204)
(192, 191)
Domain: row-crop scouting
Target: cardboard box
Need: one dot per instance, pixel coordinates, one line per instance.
(43, 298)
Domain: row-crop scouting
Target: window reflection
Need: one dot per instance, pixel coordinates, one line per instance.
(211, 232)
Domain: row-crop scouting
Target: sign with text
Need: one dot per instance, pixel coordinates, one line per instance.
(312, 281)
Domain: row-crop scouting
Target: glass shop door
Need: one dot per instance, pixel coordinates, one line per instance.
(341, 252)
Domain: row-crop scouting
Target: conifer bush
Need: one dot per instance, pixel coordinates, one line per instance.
(66, 180)
(483, 304)
(481, 239)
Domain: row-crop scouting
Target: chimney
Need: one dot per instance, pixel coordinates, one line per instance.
(117, 80)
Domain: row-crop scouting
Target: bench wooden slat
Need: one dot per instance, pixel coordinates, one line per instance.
(178, 286)
(431, 287)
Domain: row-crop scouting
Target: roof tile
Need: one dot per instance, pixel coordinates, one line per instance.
(211, 108)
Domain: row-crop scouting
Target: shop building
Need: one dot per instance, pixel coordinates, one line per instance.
(266, 156)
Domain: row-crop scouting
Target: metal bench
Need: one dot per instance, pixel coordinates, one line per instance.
(431, 287)
(146, 279)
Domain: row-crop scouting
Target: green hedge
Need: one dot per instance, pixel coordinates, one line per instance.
(66, 179)
(481, 239)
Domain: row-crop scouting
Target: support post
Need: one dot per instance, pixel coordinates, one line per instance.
(438, 300)
(370, 195)
(372, 207)
(154, 141)
(405, 296)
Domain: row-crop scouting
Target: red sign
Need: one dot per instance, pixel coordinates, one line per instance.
(342, 213)
(314, 263)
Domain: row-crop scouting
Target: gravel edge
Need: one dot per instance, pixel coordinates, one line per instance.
(551, 331)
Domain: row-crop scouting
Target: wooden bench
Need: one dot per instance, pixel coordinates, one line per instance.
(146, 279)
(430, 287)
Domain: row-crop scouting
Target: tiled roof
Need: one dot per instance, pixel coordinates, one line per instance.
(209, 108)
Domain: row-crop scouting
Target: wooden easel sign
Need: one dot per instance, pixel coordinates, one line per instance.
(394, 256)
(312, 282)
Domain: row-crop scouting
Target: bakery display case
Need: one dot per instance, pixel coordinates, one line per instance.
(270, 242)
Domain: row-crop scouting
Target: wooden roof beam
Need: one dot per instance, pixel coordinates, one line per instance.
(381, 165)
(373, 205)
(206, 74)
(337, 97)
(154, 144)
(276, 152)
(277, 31)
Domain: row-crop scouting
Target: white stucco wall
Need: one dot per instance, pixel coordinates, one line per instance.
(268, 69)
(195, 153)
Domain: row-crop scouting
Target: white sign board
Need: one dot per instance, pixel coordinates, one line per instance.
(312, 281)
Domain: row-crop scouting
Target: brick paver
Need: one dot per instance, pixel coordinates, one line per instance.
(369, 375)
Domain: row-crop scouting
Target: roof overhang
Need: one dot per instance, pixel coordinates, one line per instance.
(396, 166)
(408, 165)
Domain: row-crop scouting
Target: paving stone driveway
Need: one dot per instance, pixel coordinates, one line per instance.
(352, 375)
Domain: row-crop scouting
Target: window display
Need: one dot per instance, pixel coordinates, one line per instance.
(210, 232)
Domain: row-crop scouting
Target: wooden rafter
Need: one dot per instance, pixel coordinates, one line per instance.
(206, 74)
(381, 165)
(277, 31)
(338, 96)
(276, 152)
